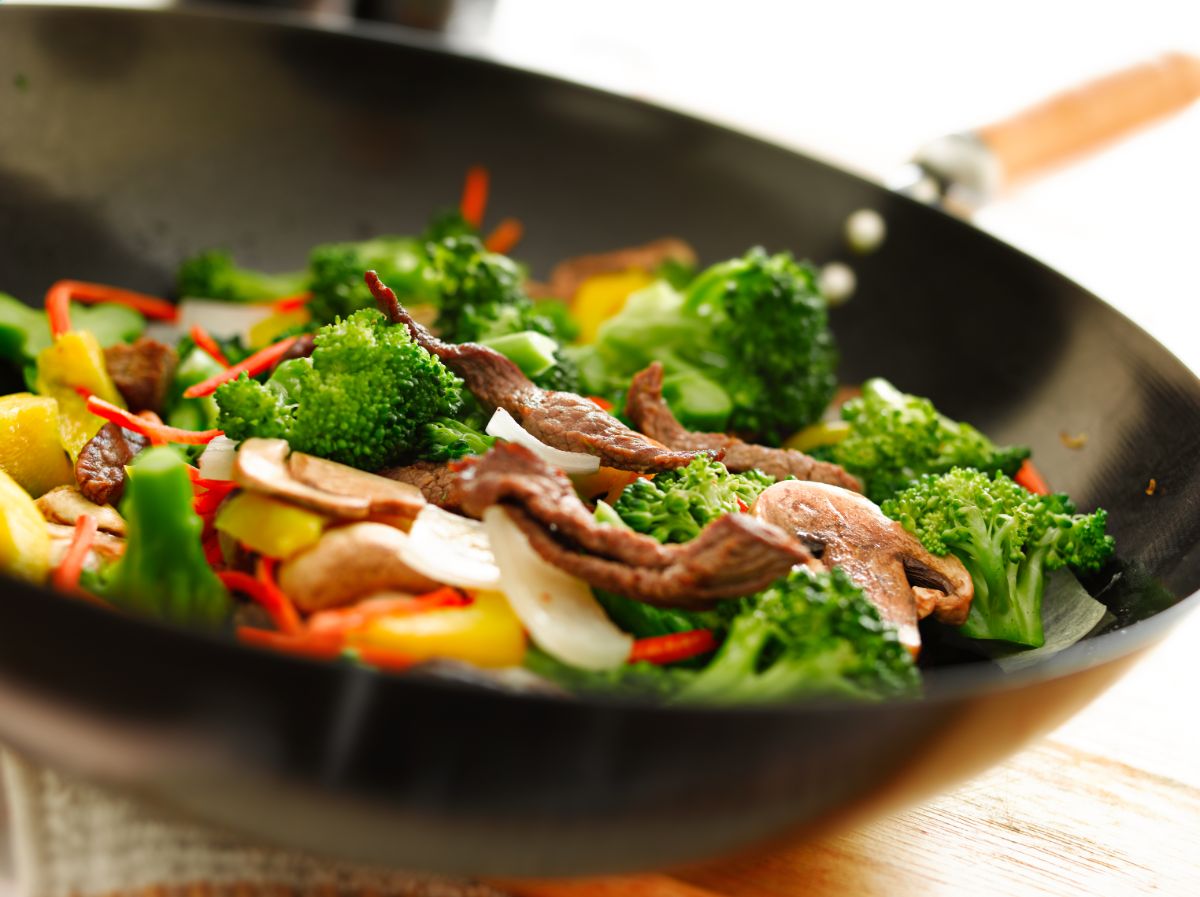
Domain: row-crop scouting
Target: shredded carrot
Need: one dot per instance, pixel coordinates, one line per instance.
(319, 646)
(207, 503)
(355, 617)
(258, 363)
(58, 308)
(212, 550)
(388, 659)
(603, 403)
(203, 339)
(150, 429)
(1029, 477)
(673, 647)
(506, 235)
(95, 293)
(291, 303)
(279, 606)
(474, 195)
(66, 575)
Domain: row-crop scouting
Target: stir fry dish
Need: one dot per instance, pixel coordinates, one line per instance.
(638, 476)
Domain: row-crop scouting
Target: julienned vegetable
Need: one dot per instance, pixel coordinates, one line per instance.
(676, 505)
(1008, 538)
(746, 347)
(363, 398)
(164, 573)
(895, 438)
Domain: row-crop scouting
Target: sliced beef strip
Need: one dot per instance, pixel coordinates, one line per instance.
(100, 467)
(569, 275)
(894, 570)
(559, 419)
(650, 414)
(438, 482)
(735, 555)
(142, 372)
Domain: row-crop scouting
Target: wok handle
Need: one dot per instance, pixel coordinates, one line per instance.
(968, 169)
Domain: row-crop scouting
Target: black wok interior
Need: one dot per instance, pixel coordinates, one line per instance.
(130, 139)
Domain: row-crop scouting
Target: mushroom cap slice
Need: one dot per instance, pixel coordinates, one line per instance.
(384, 496)
(348, 563)
(66, 504)
(262, 466)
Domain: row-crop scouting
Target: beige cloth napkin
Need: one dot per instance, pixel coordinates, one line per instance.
(74, 839)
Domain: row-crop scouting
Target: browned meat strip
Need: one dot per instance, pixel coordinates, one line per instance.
(650, 414)
(894, 570)
(560, 419)
(735, 555)
(569, 275)
(142, 371)
(437, 482)
(100, 467)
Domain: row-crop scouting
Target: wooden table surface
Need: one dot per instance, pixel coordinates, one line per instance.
(1108, 805)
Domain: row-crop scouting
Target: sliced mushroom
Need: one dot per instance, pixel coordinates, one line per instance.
(105, 547)
(384, 496)
(65, 504)
(895, 571)
(347, 563)
(262, 466)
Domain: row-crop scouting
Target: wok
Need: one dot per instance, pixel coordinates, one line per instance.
(139, 137)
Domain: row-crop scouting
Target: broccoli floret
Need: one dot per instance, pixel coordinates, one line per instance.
(809, 634)
(895, 438)
(1007, 538)
(449, 440)
(337, 272)
(163, 572)
(748, 343)
(363, 398)
(448, 223)
(562, 377)
(642, 679)
(214, 275)
(677, 504)
(480, 294)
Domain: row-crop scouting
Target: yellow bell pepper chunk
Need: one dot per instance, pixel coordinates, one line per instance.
(272, 327)
(602, 296)
(31, 451)
(24, 539)
(75, 361)
(486, 633)
(821, 433)
(268, 526)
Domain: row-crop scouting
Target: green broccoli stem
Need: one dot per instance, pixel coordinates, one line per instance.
(164, 573)
(1008, 597)
(730, 676)
(532, 352)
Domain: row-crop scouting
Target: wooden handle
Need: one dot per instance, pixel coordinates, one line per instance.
(1087, 117)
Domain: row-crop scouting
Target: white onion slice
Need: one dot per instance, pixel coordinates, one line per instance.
(504, 426)
(557, 609)
(451, 549)
(217, 460)
(222, 319)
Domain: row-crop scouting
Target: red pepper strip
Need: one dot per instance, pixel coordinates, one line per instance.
(66, 575)
(208, 502)
(319, 646)
(1029, 477)
(83, 392)
(291, 303)
(203, 339)
(212, 550)
(261, 361)
(256, 591)
(58, 308)
(150, 429)
(280, 606)
(605, 404)
(504, 238)
(387, 659)
(673, 647)
(474, 195)
(742, 506)
(345, 619)
(225, 486)
(94, 293)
